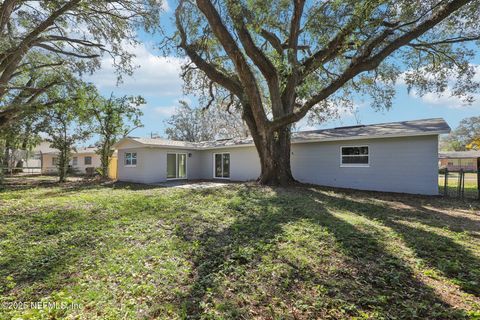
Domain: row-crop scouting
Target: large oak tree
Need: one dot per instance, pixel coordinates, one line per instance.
(281, 60)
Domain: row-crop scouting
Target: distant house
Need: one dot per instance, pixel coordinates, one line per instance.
(395, 157)
(456, 160)
(82, 158)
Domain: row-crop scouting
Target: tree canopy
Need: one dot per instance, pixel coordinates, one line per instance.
(465, 137)
(113, 118)
(43, 41)
(283, 59)
(199, 124)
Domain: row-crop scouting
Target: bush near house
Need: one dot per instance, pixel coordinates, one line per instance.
(112, 251)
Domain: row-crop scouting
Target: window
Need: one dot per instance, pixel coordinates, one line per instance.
(54, 161)
(176, 165)
(355, 156)
(130, 159)
(88, 160)
(75, 161)
(221, 165)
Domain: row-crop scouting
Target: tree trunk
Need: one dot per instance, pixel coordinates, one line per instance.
(105, 156)
(274, 151)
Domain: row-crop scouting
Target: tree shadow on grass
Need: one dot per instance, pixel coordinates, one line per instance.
(438, 251)
(381, 284)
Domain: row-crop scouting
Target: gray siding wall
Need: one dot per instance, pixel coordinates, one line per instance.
(396, 164)
(244, 163)
(152, 165)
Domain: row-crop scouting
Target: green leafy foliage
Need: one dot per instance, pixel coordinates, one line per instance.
(464, 136)
(41, 41)
(113, 118)
(66, 123)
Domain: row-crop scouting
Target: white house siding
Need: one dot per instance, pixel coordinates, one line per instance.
(396, 164)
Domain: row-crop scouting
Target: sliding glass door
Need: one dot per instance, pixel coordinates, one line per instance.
(176, 165)
(221, 165)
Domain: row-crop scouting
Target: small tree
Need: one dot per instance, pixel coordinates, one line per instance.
(66, 124)
(114, 118)
(202, 124)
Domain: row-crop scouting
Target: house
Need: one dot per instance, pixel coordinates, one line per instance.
(456, 160)
(394, 157)
(82, 158)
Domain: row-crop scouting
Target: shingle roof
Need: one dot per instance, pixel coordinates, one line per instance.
(382, 130)
(404, 128)
(164, 142)
(45, 148)
(459, 154)
(85, 150)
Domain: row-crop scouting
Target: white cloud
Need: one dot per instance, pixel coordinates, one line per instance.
(446, 99)
(165, 111)
(165, 6)
(155, 77)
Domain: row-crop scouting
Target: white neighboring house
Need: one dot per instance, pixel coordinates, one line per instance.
(82, 159)
(393, 157)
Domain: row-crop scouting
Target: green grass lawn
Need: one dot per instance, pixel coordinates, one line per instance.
(241, 251)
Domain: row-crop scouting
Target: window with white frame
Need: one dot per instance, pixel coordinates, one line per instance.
(88, 160)
(130, 159)
(355, 156)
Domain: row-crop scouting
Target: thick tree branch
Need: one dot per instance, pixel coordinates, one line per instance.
(266, 67)
(369, 63)
(9, 63)
(244, 72)
(230, 83)
(273, 40)
(288, 94)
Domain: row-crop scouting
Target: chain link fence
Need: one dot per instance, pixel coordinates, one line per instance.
(459, 184)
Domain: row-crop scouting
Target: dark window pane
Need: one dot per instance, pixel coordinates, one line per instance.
(355, 159)
(351, 151)
(171, 166)
(226, 165)
(218, 165)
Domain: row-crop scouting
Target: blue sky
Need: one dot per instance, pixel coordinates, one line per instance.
(157, 80)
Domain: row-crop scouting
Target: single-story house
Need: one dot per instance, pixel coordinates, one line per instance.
(456, 160)
(394, 157)
(82, 158)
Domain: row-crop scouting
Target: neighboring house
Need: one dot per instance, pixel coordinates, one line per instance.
(456, 160)
(82, 158)
(395, 157)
